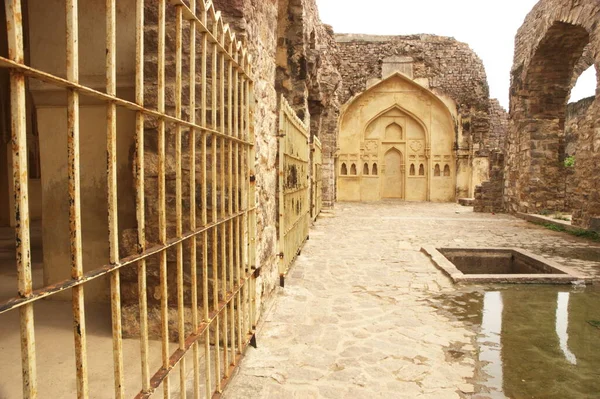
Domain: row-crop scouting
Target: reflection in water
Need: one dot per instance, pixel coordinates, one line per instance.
(562, 325)
(535, 341)
(490, 347)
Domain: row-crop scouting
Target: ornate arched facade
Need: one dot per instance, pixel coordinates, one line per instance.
(401, 136)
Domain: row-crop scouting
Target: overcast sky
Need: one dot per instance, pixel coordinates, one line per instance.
(489, 27)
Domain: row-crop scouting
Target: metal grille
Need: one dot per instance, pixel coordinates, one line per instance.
(223, 302)
(316, 178)
(294, 186)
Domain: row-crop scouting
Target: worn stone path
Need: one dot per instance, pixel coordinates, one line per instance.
(355, 320)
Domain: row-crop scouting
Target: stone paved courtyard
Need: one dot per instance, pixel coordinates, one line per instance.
(355, 318)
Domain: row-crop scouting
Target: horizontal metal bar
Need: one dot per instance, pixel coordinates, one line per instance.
(64, 285)
(300, 219)
(60, 82)
(302, 160)
(176, 357)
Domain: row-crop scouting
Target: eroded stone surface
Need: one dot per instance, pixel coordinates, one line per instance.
(354, 319)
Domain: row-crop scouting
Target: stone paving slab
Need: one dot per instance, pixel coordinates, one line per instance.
(354, 320)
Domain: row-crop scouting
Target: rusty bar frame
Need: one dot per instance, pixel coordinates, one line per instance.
(294, 150)
(228, 315)
(316, 202)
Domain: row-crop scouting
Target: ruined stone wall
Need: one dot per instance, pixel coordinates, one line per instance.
(498, 125)
(551, 49)
(577, 115)
(308, 77)
(488, 196)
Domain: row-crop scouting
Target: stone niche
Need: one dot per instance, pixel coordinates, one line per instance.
(396, 140)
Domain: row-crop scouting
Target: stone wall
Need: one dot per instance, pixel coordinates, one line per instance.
(489, 195)
(498, 125)
(551, 49)
(577, 113)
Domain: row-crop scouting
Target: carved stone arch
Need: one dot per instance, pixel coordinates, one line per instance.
(404, 111)
(397, 75)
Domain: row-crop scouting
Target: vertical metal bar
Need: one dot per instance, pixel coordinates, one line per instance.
(282, 150)
(14, 22)
(230, 204)
(162, 218)
(140, 176)
(244, 205)
(215, 187)
(223, 227)
(236, 196)
(75, 199)
(251, 197)
(193, 241)
(113, 226)
(204, 210)
(178, 196)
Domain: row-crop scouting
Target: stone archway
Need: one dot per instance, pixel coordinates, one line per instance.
(553, 48)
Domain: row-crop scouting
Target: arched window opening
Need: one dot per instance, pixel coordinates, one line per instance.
(447, 170)
(344, 170)
(421, 170)
(412, 169)
(353, 170)
(374, 169)
(585, 86)
(436, 171)
(366, 169)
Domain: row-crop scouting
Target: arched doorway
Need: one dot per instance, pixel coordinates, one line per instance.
(394, 174)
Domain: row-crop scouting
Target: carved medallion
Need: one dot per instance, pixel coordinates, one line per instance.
(371, 147)
(416, 146)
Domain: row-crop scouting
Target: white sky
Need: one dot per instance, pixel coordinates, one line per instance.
(489, 27)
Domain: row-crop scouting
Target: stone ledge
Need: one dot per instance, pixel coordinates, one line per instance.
(539, 219)
(458, 277)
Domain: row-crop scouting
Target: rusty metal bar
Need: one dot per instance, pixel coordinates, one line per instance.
(78, 300)
(178, 195)
(192, 188)
(223, 227)
(236, 197)
(230, 171)
(205, 296)
(251, 201)
(139, 181)
(162, 217)
(104, 270)
(161, 374)
(14, 18)
(111, 180)
(215, 187)
(89, 92)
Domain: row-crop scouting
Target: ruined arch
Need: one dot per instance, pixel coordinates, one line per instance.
(556, 43)
(400, 115)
